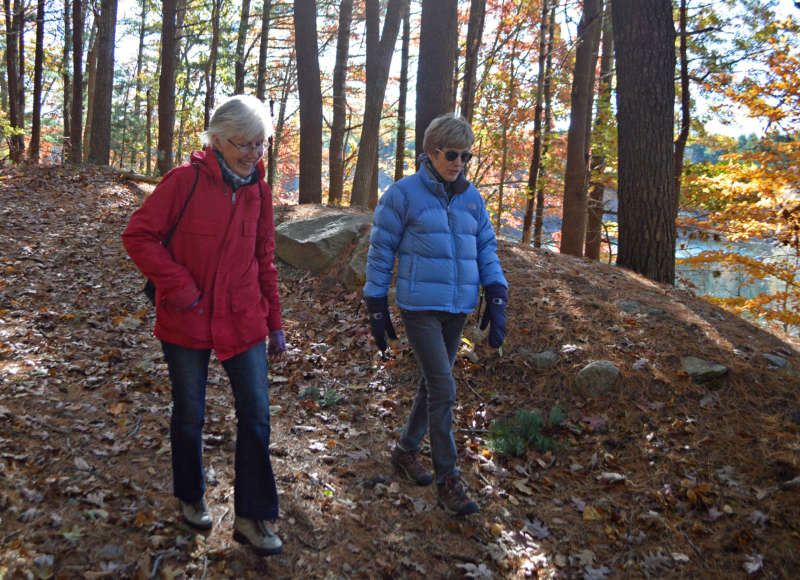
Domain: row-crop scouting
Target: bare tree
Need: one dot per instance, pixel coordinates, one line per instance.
(76, 122)
(241, 39)
(379, 58)
(437, 59)
(536, 157)
(644, 37)
(261, 75)
(36, 121)
(573, 225)
(66, 79)
(310, 93)
(210, 72)
(166, 85)
(100, 142)
(600, 138)
(336, 149)
(15, 72)
(477, 17)
(400, 146)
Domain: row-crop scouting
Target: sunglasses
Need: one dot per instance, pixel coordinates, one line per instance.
(254, 147)
(453, 155)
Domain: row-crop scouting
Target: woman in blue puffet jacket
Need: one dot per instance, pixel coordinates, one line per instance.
(435, 222)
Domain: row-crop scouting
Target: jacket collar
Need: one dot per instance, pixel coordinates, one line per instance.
(434, 182)
(206, 158)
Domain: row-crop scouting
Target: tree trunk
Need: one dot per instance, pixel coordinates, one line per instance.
(536, 158)
(149, 133)
(573, 225)
(76, 123)
(36, 121)
(91, 70)
(538, 220)
(166, 85)
(379, 58)
(400, 145)
(477, 17)
(648, 204)
(261, 75)
(310, 96)
(680, 142)
(436, 63)
(100, 142)
(336, 149)
(137, 98)
(286, 88)
(15, 80)
(211, 64)
(241, 38)
(601, 141)
(66, 80)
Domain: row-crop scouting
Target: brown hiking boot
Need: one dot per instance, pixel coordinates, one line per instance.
(453, 497)
(407, 463)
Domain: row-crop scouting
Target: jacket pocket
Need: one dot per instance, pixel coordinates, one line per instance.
(412, 273)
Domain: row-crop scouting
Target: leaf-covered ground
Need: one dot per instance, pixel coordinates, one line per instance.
(661, 478)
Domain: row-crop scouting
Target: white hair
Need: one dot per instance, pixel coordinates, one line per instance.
(241, 116)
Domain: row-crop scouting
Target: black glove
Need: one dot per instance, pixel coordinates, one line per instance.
(380, 324)
(496, 302)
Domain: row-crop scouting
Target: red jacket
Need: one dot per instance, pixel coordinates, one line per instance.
(221, 255)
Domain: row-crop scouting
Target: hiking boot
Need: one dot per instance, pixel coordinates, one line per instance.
(197, 514)
(407, 463)
(257, 534)
(453, 497)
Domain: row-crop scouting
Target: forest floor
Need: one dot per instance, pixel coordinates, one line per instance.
(660, 478)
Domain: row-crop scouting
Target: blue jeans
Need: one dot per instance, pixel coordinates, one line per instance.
(255, 493)
(434, 336)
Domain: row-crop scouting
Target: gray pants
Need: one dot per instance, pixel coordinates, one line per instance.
(434, 337)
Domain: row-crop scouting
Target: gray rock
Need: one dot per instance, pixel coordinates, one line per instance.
(629, 306)
(597, 378)
(775, 361)
(313, 244)
(355, 273)
(701, 370)
(540, 360)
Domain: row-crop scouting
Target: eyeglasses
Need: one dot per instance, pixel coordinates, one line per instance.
(257, 147)
(453, 155)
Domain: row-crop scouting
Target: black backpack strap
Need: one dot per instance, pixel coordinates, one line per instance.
(168, 237)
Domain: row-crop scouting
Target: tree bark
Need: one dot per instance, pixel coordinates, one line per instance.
(261, 75)
(379, 58)
(573, 225)
(538, 220)
(38, 61)
(536, 157)
(477, 17)
(600, 138)
(436, 63)
(310, 96)
(100, 141)
(400, 145)
(76, 122)
(336, 149)
(241, 38)
(644, 39)
(66, 79)
(137, 98)
(16, 111)
(210, 75)
(166, 85)
(91, 70)
(686, 106)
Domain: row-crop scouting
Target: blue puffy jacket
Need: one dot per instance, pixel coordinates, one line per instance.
(446, 249)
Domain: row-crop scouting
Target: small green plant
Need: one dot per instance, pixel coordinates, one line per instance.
(512, 436)
(331, 398)
(310, 394)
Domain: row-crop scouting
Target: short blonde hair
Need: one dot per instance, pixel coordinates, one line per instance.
(448, 131)
(242, 116)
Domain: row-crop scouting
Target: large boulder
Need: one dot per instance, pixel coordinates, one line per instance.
(317, 243)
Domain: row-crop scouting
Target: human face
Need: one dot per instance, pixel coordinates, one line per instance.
(240, 155)
(449, 170)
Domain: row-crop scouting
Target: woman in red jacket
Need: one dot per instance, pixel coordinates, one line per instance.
(217, 289)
